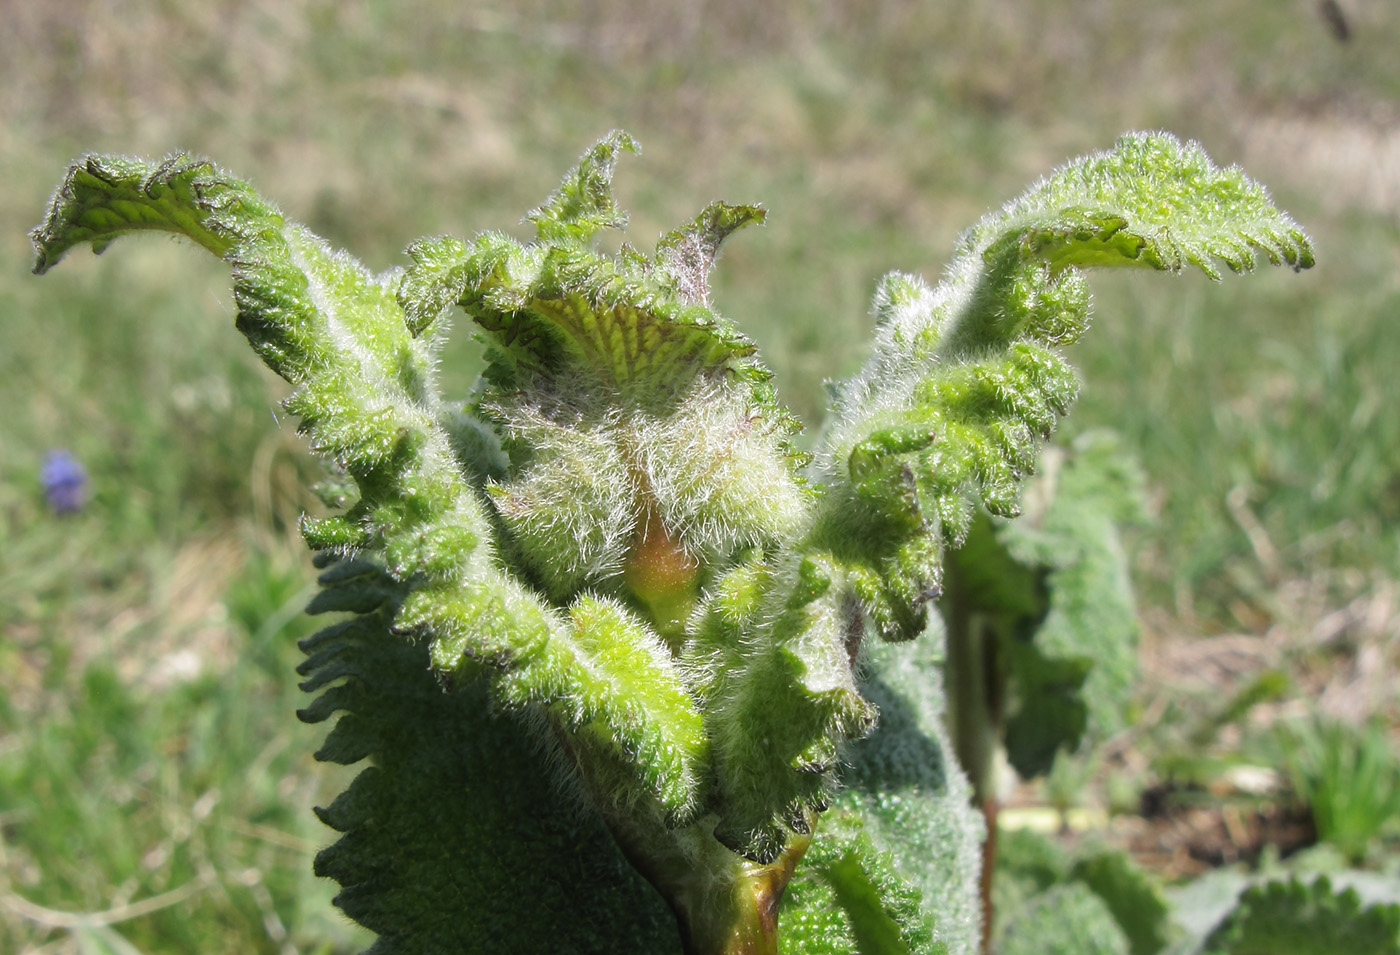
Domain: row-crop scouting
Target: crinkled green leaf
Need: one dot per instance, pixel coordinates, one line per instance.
(557, 308)
(778, 711)
(1135, 900)
(561, 310)
(849, 898)
(368, 402)
(601, 672)
(1151, 201)
(686, 255)
(455, 838)
(105, 197)
(1300, 918)
(812, 921)
(583, 203)
(609, 669)
(1065, 920)
(436, 281)
(965, 380)
(1054, 589)
(364, 386)
(904, 792)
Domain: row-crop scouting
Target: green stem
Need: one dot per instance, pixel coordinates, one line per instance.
(974, 675)
(976, 681)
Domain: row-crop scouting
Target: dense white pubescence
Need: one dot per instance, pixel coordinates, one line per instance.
(910, 319)
(710, 465)
(720, 476)
(572, 510)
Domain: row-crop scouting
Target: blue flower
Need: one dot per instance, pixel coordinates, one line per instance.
(65, 482)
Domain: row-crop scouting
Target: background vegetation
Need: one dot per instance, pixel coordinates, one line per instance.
(152, 776)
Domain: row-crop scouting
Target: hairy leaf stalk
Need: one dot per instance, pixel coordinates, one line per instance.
(652, 614)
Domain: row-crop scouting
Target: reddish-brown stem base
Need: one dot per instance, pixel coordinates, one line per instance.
(990, 808)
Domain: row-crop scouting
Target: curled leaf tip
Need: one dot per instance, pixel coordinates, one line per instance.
(687, 254)
(584, 204)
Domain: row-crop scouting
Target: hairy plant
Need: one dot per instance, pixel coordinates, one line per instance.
(607, 633)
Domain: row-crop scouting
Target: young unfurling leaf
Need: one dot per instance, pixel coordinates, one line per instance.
(648, 611)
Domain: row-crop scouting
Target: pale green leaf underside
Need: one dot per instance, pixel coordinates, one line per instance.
(103, 197)
(1150, 201)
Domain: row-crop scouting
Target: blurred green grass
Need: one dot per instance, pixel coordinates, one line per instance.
(139, 688)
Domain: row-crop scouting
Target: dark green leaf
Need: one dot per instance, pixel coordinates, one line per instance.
(1133, 898)
(457, 839)
(1298, 918)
